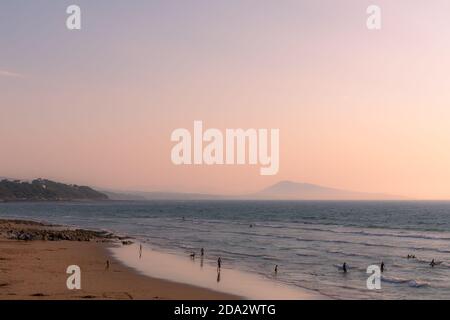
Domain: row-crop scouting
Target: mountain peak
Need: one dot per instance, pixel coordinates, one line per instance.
(290, 190)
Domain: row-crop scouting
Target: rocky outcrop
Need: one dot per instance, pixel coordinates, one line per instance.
(57, 235)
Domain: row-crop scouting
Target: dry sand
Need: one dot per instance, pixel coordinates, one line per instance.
(36, 269)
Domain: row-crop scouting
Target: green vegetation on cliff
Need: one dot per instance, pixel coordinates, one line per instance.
(46, 190)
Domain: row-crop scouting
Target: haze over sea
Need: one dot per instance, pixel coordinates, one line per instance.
(309, 240)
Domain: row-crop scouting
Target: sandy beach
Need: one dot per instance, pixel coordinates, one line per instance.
(36, 269)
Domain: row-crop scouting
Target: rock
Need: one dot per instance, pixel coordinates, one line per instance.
(24, 236)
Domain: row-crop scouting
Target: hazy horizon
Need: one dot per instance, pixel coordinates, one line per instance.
(260, 192)
(357, 110)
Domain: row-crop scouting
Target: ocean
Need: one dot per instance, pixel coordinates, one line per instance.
(308, 240)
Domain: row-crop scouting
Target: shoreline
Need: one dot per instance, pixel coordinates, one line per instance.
(34, 268)
(199, 271)
(34, 257)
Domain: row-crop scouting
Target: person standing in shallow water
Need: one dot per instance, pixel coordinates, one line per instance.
(202, 253)
(140, 251)
(382, 266)
(219, 264)
(276, 269)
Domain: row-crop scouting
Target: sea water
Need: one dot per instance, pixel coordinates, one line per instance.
(308, 240)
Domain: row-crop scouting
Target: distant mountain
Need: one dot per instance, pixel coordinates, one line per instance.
(123, 196)
(179, 196)
(284, 190)
(143, 196)
(46, 190)
(288, 190)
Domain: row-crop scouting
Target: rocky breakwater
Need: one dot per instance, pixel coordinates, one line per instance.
(30, 230)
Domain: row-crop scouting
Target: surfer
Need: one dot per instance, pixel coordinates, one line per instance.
(432, 263)
(382, 266)
(276, 269)
(344, 267)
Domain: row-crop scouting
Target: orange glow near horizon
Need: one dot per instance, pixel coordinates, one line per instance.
(357, 110)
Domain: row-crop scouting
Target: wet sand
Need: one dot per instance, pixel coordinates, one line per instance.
(36, 269)
(203, 272)
(34, 258)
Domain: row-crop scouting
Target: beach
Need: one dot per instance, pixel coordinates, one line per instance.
(34, 257)
(36, 269)
(309, 241)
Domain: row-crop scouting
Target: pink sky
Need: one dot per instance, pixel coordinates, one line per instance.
(357, 109)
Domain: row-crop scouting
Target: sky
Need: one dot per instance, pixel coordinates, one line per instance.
(357, 109)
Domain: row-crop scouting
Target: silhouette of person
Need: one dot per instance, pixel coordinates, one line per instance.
(140, 251)
(382, 266)
(276, 269)
(219, 264)
(107, 265)
(344, 267)
(432, 263)
(202, 252)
